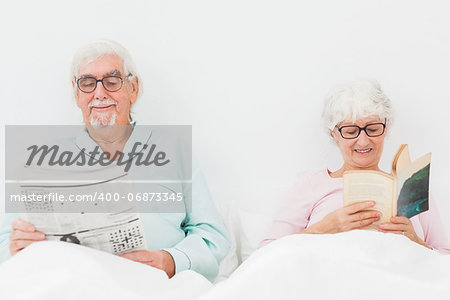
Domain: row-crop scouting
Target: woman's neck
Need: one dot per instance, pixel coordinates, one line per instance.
(340, 172)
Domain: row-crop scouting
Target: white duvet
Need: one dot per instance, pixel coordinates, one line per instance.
(352, 265)
(56, 270)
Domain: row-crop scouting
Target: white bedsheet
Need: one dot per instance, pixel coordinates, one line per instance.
(352, 265)
(55, 270)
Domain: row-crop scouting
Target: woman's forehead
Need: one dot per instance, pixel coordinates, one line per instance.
(362, 121)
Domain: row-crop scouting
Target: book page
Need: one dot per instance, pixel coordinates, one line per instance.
(413, 187)
(362, 186)
(401, 160)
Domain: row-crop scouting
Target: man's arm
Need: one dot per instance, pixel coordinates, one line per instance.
(5, 231)
(206, 242)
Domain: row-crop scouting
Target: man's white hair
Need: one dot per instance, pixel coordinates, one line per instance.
(96, 49)
(356, 100)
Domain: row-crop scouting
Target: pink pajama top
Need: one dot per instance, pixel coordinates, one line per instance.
(317, 194)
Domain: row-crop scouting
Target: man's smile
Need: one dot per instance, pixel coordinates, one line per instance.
(103, 107)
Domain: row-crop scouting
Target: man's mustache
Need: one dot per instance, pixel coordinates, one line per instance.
(97, 102)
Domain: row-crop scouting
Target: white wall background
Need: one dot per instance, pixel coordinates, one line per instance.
(249, 76)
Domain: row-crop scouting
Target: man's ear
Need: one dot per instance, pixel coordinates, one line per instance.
(76, 94)
(134, 90)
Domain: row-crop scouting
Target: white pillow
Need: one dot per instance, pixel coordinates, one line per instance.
(253, 227)
(230, 262)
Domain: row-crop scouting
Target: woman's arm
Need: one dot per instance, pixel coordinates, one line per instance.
(354, 216)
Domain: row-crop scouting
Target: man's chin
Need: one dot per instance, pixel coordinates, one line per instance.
(102, 120)
(97, 126)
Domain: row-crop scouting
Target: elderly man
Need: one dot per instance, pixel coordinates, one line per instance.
(106, 85)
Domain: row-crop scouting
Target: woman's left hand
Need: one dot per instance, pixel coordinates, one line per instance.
(402, 225)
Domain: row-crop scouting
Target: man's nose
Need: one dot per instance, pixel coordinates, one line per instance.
(100, 92)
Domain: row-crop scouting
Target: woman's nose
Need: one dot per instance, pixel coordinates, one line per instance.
(363, 139)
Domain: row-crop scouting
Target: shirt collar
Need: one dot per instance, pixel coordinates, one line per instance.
(140, 136)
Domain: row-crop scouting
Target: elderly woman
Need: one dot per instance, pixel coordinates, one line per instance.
(358, 116)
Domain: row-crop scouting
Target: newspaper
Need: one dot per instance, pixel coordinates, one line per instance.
(113, 233)
(102, 223)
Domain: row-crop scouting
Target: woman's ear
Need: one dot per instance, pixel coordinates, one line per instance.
(387, 126)
(333, 135)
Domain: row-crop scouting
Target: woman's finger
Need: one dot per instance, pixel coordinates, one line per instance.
(362, 215)
(394, 231)
(400, 220)
(355, 207)
(393, 227)
(363, 223)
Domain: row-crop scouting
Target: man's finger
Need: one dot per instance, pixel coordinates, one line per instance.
(19, 245)
(141, 255)
(25, 235)
(355, 207)
(20, 224)
(155, 264)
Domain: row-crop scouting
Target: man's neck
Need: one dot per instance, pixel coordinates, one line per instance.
(111, 138)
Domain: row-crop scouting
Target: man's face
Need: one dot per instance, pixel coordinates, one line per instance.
(102, 107)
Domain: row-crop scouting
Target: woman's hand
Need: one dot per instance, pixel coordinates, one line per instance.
(159, 259)
(402, 225)
(23, 235)
(346, 218)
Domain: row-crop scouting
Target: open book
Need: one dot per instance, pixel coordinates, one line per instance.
(404, 193)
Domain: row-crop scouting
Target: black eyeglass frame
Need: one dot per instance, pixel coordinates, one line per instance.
(101, 80)
(362, 128)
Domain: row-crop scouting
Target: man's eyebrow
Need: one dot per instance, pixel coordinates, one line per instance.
(85, 76)
(115, 72)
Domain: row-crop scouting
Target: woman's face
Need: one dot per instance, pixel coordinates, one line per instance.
(362, 152)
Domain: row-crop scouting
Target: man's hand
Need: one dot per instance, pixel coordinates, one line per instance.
(402, 225)
(346, 218)
(156, 258)
(22, 235)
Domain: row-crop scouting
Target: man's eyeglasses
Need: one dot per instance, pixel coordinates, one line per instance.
(110, 83)
(353, 131)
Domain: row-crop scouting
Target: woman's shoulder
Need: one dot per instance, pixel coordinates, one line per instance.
(318, 181)
(310, 187)
(320, 177)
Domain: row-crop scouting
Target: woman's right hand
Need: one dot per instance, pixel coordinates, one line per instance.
(354, 216)
(23, 234)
